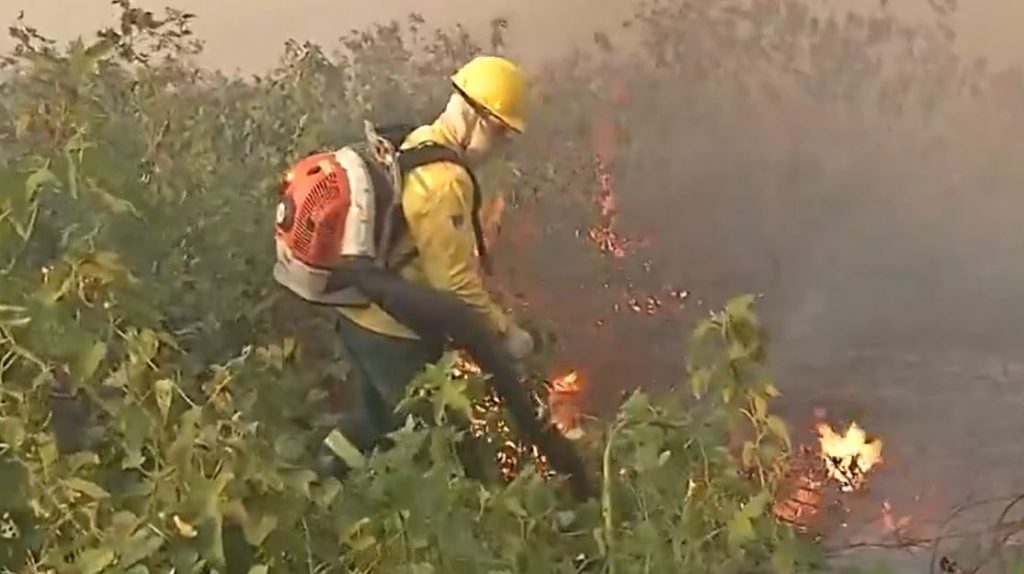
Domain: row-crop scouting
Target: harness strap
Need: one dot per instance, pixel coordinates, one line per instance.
(432, 152)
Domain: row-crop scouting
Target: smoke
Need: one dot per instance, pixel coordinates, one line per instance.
(855, 171)
(859, 173)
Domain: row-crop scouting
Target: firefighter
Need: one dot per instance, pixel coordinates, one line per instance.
(439, 248)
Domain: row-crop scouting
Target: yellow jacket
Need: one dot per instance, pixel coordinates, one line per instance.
(438, 203)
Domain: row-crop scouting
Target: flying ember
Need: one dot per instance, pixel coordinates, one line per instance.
(850, 456)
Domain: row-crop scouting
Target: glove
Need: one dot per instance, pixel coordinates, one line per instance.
(519, 342)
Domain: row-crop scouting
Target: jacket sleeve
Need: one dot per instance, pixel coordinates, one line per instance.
(440, 221)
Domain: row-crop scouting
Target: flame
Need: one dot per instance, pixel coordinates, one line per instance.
(848, 457)
(564, 404)
(570, 383)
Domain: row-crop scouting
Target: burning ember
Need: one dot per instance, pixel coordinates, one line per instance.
(849, 456)
(810, 498)
(562, 403)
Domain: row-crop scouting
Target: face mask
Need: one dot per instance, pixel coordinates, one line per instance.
(487, 137)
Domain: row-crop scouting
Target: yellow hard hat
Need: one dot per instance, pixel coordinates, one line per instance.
(497, 85)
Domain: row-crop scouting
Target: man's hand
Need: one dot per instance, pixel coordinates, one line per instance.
(519, 342)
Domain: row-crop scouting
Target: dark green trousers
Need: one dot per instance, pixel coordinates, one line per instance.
(382, 368)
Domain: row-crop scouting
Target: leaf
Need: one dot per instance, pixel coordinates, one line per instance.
(728, 390)
(740, 530)
(136, 426)
(94, 561)
(515, 506)
(143, 544)
(259, 569)
(164, 392)
(700, 380)
(740, 307)
(749, 456)
(300, 480)
(14, 477)
(755, 507)
(453, 396)
(257, 531)
(181, 449)
(760, 407)
(778, 426)
(86, 487)
(88, 360)
(113, 203)
(782, 560)
(38, 179)
(12, 431)
(362, 543)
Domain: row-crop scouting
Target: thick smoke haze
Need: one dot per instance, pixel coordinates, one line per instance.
(250, 35)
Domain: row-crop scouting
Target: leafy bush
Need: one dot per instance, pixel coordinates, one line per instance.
(160, 397)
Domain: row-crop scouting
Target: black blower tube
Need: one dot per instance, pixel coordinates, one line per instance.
(440, 316)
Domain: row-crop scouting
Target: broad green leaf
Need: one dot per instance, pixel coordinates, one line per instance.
(453, 396)
(137, 426)
(38, 179)
(755, 507)
(259, 569)
(180, 451)
(113, 203)
(362, 543)
(86, 487)
(89, 360)
(12, 431)
(740, 530)
(783, 560)
(257, 530)
(143, 544)
(301, 480)
(94, 561)
(15, 478)
(80, 460)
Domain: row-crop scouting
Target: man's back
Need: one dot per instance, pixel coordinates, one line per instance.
(440, 246)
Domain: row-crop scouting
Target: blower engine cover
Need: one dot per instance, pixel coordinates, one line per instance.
(326, 217)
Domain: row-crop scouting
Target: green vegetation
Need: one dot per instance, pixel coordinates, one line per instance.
(186, 390)
(161, 398)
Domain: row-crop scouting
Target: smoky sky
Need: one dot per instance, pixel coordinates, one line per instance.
(249, 35)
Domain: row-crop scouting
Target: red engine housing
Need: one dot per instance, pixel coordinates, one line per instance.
(311, 216)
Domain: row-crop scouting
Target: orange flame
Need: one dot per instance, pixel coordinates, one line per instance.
(849, 457)
(563, 403)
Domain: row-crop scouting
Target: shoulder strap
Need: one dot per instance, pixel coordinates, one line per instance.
(430, 152)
